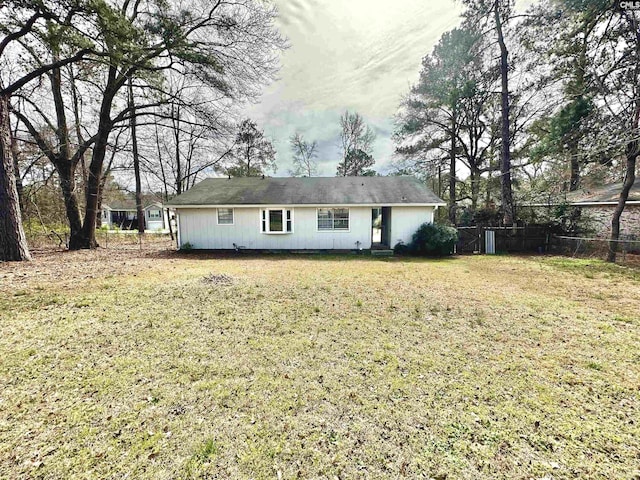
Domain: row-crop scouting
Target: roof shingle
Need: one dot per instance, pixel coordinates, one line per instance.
(308, 191)
(605, 193)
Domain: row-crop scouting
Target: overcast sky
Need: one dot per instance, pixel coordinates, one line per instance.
(359, 55)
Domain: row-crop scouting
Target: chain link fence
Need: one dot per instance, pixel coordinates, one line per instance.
(628, 251)
(124, 239)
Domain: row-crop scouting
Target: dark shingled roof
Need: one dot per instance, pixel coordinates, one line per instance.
(127, 201)
(127, 204)
(606, 193)
(308, 191)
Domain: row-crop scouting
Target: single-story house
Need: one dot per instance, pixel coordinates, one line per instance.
(321, 213)
(595, 206)
(122, 214)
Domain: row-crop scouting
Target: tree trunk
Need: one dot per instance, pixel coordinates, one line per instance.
(136, 161)
(474, 177)
(63, 162)
(15, 154)
(78, 128)
(574, 165)
(452, 173)
(170, 226)
(629, 179)
(13, 242)
(68, 187)
(87, 236)
(505, 165)
(175, 119)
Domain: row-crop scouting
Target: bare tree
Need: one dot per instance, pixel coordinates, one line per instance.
(355, 136)
(228, 47)
(304, 154)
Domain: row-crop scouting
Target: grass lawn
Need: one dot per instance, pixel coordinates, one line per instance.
(138, 364)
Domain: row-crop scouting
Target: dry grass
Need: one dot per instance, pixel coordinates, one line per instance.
(142, 364)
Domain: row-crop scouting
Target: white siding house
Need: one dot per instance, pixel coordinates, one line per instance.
(333, 213)
(123, 215)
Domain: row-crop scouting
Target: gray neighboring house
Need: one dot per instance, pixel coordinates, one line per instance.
(318, 213)
(122, 214)
(596, 205)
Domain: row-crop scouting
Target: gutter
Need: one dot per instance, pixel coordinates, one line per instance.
(308, 205)
(582, 204)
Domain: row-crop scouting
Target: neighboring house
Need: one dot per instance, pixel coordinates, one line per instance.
(122, 214)
(596, 206)
(323, 213)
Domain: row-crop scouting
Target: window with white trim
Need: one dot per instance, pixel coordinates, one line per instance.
(333, 219)
(225, 216)
(154, 214)
(276, 220)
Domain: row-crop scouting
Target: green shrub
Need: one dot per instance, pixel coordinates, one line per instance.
(186, 247)
(401, 248)
(432, 240)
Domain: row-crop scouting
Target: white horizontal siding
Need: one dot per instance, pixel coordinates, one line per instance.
(154, 225)
(199, 227)
(406, 220)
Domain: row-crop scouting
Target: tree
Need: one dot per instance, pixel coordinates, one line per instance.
(145, 42)
(189, 135)
(615, 65)
(496, 14)
(133, 127)
(304, 154)
(355, 136)
(448, 115)
(13, 242)
(597, 58)
(227, 46)
(561, 39)
(20, 23)
(254, 154)
(356, 164)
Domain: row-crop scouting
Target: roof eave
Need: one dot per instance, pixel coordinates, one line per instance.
(582, 204)
(307, 205)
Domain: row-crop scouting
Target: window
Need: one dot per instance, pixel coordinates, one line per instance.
(225, 216)
(154, 214)
(333, 219)
(276, 220)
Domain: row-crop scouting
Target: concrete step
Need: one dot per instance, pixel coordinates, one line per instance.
(382, 253)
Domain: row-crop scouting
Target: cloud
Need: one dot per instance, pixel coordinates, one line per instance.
(359, 55)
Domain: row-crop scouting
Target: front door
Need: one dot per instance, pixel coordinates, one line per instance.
(386, 227)
(376, 227)
(381, 228)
